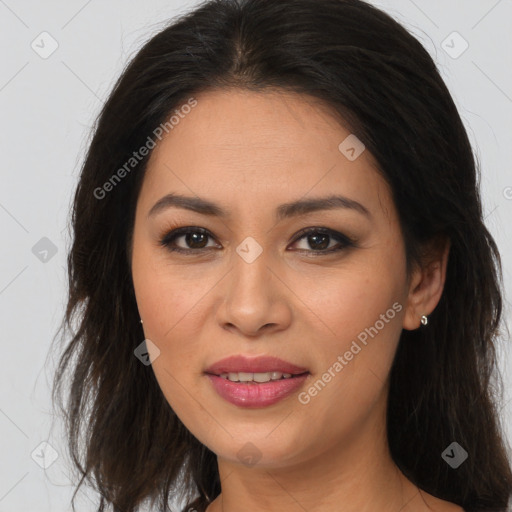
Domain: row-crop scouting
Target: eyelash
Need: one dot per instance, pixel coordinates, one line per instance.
(342, 239)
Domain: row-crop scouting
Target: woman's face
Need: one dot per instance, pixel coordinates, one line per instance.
(253, 285)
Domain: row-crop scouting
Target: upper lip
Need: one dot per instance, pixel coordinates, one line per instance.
(260, 364)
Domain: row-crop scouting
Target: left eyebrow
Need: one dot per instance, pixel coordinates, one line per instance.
(283, 211)
(304, 206)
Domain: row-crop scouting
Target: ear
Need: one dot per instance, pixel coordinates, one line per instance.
(427, 283)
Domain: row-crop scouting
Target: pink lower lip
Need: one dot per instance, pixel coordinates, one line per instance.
(256, 395)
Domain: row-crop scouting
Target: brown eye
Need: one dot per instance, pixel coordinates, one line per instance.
(195, 239)
(319, 240)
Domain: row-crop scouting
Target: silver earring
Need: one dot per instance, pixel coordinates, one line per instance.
(141, 320)
(424, 320)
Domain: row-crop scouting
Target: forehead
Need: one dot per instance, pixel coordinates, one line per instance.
(260, 145)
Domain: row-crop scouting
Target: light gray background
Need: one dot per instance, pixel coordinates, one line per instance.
(48, 106)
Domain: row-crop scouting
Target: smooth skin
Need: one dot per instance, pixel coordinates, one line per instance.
(250, 152)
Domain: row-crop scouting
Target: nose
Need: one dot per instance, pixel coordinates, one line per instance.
(256, 299)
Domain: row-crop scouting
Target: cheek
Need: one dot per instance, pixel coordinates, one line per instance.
(173, 325)
(346, 302)
(360, 325)
(357, 317)
(168, 296)
(169, 306)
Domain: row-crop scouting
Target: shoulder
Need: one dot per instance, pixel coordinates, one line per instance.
(430, 503)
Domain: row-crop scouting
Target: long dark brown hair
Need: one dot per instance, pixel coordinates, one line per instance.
(445, 386)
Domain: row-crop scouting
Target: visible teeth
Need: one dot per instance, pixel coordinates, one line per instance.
(255, 377)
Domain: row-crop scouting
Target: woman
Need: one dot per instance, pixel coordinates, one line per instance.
(285, 293)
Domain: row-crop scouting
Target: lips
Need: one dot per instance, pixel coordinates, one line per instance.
(261, 364)
(251, 395)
